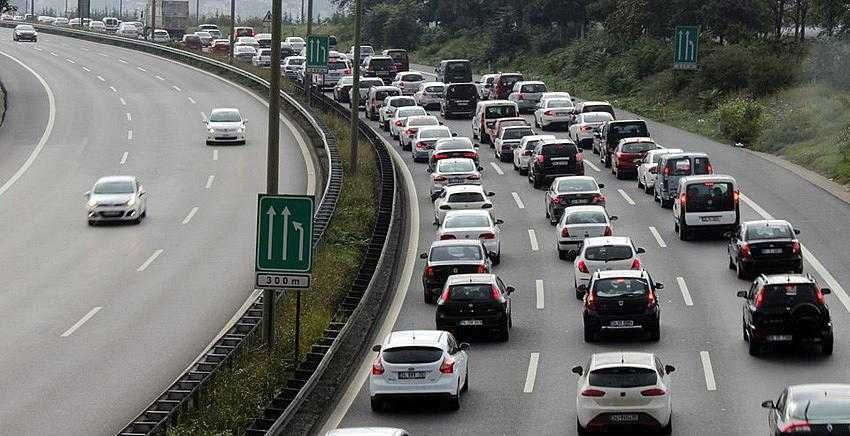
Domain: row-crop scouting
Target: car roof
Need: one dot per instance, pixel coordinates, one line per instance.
(766, 222)
(557, 179)
(411, 107)
(456, 242)
(685, 154)
(106, 179)
(433, 84)
(607, 240)
(665, 151)
(496, 102)
(470, 278)
(530, 82)
(620, 358)
(454, 60)
(387, 88)
(224, 109)
(502, 120)
(637, 139)
(383, 57)
(451, 85)
(468, 211)
(509, 74)
(453, 189)
(707, 178)
(515, 127)
(596, 113)
(414, 337)
(371, 79)
(594, 103)
(416, 117)
(398, 97)
(427, 128)
(456, 160)
(527, 138)
(824, 390)
(620, 273)
(586, 208)
(558, 141)
(455, 141)
(781, 279)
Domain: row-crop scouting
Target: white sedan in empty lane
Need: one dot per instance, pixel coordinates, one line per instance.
(225, 126)
(116, 198)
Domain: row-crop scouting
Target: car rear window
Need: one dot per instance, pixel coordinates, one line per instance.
(530, 145)
(461, 253)
(456, 166)
(411, 77)
(337, 65)
(457, 67)
(435, 88)
(558, 103)
(638, 147)
(407, 355)
(586, 217)
(516, 133)
(471, 292)
(680, 167)
(500, 111)
(596, 118)
(619, 287)
(401, 102)
(599, 108)
(559, 149)
(634, 129)
(822, 410)
(710, 197)
(459, 221)
(381, 95)
(466, 197)
(382, 63)
(533, 88)
(608, 252)
(622, 377)
(461, 91)
(434, 133)
(510, 79)
(576, 185)
(409, 112)
(399, 56)
(789, 294)
(422, 122)
(366, 84)
(766, 231)
(296, 61)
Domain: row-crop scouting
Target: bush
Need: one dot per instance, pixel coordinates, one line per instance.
(649, 56)
(740, 119)
(726, 68)
(620, 77)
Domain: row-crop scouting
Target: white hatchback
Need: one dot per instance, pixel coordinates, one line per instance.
(225, 126)
(648, 167)
(578, 223)
(522, 153)
(428, 363)
(624, 391)
(603, 254)
(116, 198)
(472, 224)
(461, 197)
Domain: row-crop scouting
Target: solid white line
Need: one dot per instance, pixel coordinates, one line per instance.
(626, 197)
(124, 157)
(191, 214)
(113, 89)
(123, 103)
(150, 260)
(130, 135)
(657, 236)
(210, 180)
(540, 296)
(191, 100)
(709, 373)
(518, 201)
(48, 129)
(101, 79)
(533, 238)
(215, 154)
(836, 287)
(86, 69)
(141, 69)
(129, 118)
(70, 61)
(591, 165)
(498, 170)
(531, 375)
(82, 321)
(685, 293)
(159, 77)
(122, 61)
(176, 88)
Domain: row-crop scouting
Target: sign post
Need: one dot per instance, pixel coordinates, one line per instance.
(686, 48)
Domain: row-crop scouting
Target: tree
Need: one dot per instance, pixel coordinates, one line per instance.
(7, 6)
(830, 13)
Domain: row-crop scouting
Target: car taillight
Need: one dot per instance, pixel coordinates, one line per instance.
(487, 235)
(683, 198)
(579, 157)
(448, 366)
(519, 96)
(599, 198)
(421, 145)
(409, 132)
(398, 123)
(470, 154)
(585, 129)
(745, 250)
(440, 179)
(444, 296)
(429, 271)
(556, 200)
(377, 366)
(709, 169)
(795, 426)
(496, 295)
(795, 246)
(819, 296)
(589, 392)
(473, 177)
(760, 297)
(446, 237)
(636, 264)
(590, 302)
(482, 269)
(582, 267)
(549, 113)
(654, 392)
(617, 156)
(439, 156)
(651, 301)
(653, 170)
(609, 231)
(526, 153)
(540, 159)
(666, 171)
(565, 233)
(347, 71)
(401, 84)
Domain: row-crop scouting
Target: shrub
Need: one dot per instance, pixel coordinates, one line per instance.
(649, 56)
(769, 73)
(619, 77)
(740, 119)
(726, 68)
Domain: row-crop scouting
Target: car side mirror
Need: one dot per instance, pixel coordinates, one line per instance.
(510, 289)
(613, 218)
(464, 346)
(601, 186)
(476, 145)
(768, 404)
(376, 348)
(454, 134)
(578, 370)
(796, 231)
(659, 285)
(641, 250)
(429, 171)
(480, 168)
(492, 254)
(423, 256)
(638, 161)
(825, 291)
(435, 196)
(743, 294)
(203, 122)
(491, 194)
(669, 369)
(245, 121)
(499, 222)
(597, 134)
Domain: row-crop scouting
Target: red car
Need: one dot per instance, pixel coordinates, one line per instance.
(628, 150)
(504, 84)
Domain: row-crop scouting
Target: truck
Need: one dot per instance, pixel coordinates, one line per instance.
(171, 15)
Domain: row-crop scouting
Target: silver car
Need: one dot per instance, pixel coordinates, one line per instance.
(386, 111)
(523, 152)
(473, 224)
(578, 223)
(423, 142)
(263, 58)
(455, 171)
(116, 198)
(430, 94)
(411, 126)
(225, 126)
(648, 167)
(526, 94)
(408, 81)
(244, 53)
(290, 66)
(584, 125)
(400, 116)
(509, 138)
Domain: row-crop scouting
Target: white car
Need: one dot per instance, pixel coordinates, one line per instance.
(365, 84)
(408, 81)
(486, 85)
(247, 40)
(622, 390)
(461, 197)
(97, 26)
(578, 223)
(454, 171)
(605, 253)
(583, 126)
(290, 65)
(263, 58)
(128, 30)
(225, 126)
(552, 112)
(368, 431)
(400, 116)
(456, 146)
(509, 138)
(411, 126)
(60, 22)
(385, 113)
(648, 167)
(430, 94)
(419, 362)
(423, 142)
(295, 43)
(244, 54)
(473, 224)
(522, 153)
(116, 198)
(160, 35)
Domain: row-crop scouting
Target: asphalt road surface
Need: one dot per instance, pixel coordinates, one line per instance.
(97, 321)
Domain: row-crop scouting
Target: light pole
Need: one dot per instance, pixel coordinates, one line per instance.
(232, 26)
(308, 78)
(355, 86)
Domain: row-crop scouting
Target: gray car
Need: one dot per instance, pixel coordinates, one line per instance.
(409, 81)
(526, 94)
(673, 167)
(423, 142)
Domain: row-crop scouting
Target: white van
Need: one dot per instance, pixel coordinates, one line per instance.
(706, 203)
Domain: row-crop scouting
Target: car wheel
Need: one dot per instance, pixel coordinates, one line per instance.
(755, 346)
(454, 402)
(537, 183)
(579, 295)
(571, 255)
(145, 213)
(668, 429)
(504, 334)
(465, 382)
(649, 189)
(579, 429)
(640, 184)
(588, 335)
(91, 222)
(655, 332)
(740, 270)
(731, 263)
(498, 259)
(744, 334)
(562, 254)
(377, 404)
(607, 161)
(429, 297)
(826, 347)
(516, 168)
(683, 231)
(799, 269)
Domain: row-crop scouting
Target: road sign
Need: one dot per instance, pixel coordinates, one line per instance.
(318, 47)
(686, 48)
(284, 240)
(268, 17)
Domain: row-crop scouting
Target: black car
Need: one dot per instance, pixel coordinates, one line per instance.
(471, 302)
(572, 191)
(767, 245)
(399, 55)
(812, 409)
(459, 99)
(382, 67)
(621, 301)
(786, 309)
(24, 32)
(612, 132)
(446, 258)
(554, 158)
(454, 71)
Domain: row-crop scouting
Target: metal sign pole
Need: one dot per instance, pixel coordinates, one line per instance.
(308, 77)
(232, 27)
(355, 86)
(297, 324)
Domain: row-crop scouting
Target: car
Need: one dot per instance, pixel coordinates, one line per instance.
(263, 58)
(247, 40)
(647, 167)
(382, 67)
(475, 302)
(400, 58)
(408, 81)
(337, 68)
(454, 171)
(264, 40)
(604, 254)
(621, 301)
(216, 34)
(429, 94)
(365, 52)
(161, 36)
(674, 166)
(583, 125)
(610, 134)
(461, 197)
(389, 106)
(553, 158)
(241, 31)
(459, 99)
(578, 223)
(207, 27)
(423, 142)
(504, 84)
(413, 363)
(342, 88)
(365, 84)
(45, 19)
(558, 95)
(24, 32)
(368, 431)
(628, 391)
(127, 30)
(411, 125)
(810, 409)
(487, 85)
(553, 112)
(526, 94)
(116, 198)
(399, 118)
(445, 258)
(295, 43)
(97, 26)
(571, 191)
(595, 106)
(454, 147)
(206, 38)
(454, 71)
(707, 204)
(628, 151)
(787, 309)
(375, 98)
(510, 138)
(111, 24)
(522, 152)
(193, 42)
(486, 115)
(220, 46)
(225, 126)
(60, 22)
(764, 245)
(501, 123)
(473, 224)
(290, 65)
(243, 53)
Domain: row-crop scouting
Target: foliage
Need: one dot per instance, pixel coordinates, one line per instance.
(740, 119)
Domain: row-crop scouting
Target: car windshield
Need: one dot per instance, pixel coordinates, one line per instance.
(608, 252)
(456, 166)
(533, 88)
(225, 117)
(632, 129)
(435, 88)
(382, 63)
(500, 111)
(366, 84)
(768, 231)
(411, 78)
(789, 294)
(576, 185)
(586, 217)
(401, 102)
(296, 61)
(115, 187)
(25, 27)
(457, 67)
(598, 108)
(622, 377)
(559, 103)
(710, 197)
(400, 56)
(619, 287)
(409, 355)
(462, 91)
(510, 80)
(458, 253)
(559, 149)
(471, 292)
(409, 112)
(460, 221)
(466, 197)
(638, 147)
(598, 117)
(832, 410)
(422, 121)
(434, 133)
(381, 95)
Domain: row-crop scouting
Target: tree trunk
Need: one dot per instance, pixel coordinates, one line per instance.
(780, 13)
(804, 12)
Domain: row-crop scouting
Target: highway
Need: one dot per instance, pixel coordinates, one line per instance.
(98, 321)
(525, 386)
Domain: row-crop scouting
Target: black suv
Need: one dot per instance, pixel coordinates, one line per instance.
(475, 302)
(621, 301)
(554, 158)
(445, 258)
(382, 67)
(786, 309)
(459, 99)
(454, 71)
(612, 132)
(766, 245)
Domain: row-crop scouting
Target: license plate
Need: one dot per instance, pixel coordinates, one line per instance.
(471, 322)
(709, 219)
(772, 251)
(561, 114)
(622, 323)
(462, 103)
(411, 375)
(455, 179)
(560, 163)
(779, 337)
(580, 201)
(624, 417)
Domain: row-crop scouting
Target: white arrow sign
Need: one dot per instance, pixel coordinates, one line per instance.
(300, 229)
(286, 215)
(270, 213)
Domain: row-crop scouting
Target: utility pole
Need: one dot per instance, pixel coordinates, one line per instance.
(153, 17)
(355, 87)
(272, 155)
(302, 11)
(232, 26)
(120, 8)
(197, 12)
(308, 77)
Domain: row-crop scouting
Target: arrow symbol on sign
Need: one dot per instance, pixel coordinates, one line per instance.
(286, 215)
(270, 213)
(300, 229)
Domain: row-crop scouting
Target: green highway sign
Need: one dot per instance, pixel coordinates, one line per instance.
(318, 48)
(284, 240)
(686, 48)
